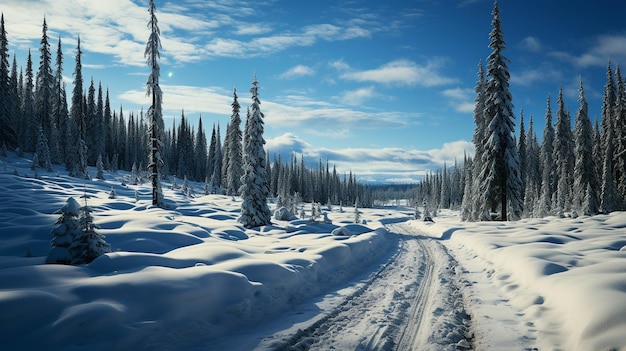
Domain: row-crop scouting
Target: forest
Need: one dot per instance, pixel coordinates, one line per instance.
(570, 171)
(35, 117)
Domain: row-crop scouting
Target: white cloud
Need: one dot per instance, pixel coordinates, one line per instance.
(399, 72)
(297, 71)
(253, 29)
(529, 77)
(604, 48)
(191, 99)
(460, 99)
(531, 44)
(118, 28)
(358, 96)
(294, 111)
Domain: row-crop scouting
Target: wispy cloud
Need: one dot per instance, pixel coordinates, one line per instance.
(297, 71)
(191, 99)
(466, 3)
(528, 77)
(358, 96)
(293, 111)
(118, 28)
(532, 44)
(460, 99)
(398, 72)
(602, 49)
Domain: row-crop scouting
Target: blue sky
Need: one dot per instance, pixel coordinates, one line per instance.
(384, 89)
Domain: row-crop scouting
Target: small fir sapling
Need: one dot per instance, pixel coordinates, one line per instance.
(88, 244)
(207, 187)
(68, 227)
(35, 163)
(417, 214)
(100, 168)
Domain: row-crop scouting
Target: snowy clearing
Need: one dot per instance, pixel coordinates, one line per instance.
(192, 278)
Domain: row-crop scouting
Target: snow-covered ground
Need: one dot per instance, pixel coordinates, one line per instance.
(191, 277)
(549, 284)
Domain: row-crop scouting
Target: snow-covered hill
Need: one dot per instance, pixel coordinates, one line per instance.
(175, 277)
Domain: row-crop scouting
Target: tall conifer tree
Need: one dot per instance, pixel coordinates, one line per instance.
(563, 155)
(4, 75)
(45, 87)
(254, 190)
(234, 169)
(548, 182)
(585, 177)
(155, 112)
(29, 122)
(500, 170)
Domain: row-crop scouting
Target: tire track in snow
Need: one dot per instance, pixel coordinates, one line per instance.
(399, 308)
(412, 334)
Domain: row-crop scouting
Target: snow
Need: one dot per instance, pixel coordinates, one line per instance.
(192, 277)
(561, 281)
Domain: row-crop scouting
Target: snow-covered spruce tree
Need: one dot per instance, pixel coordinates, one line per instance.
(155, 117)
(234, 137)
(93, 126)
(608, 196)
(68, 227)
(563, 154)
(201, 152)
(477, 196)
(445, 188)
(100, 168)
(28, 136)
(548, 181)
(254, 191)
(500, 175)
(207, 186)
(44, 87)
(467, 192)
(357, 214)
(216, 177)
(609, 102)
(210, 162)
(15, 100)
(76, 161)
(585, 190)
(4, 76)
(34, 163)
(598, 148)
(619, 127)
(521, 149)
(185, 187)
(88, 244)
(43, 152)
(533, 172)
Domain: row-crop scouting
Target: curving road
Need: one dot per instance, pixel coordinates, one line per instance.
(412, 303)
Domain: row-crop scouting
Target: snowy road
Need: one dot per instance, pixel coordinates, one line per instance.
(412, 303)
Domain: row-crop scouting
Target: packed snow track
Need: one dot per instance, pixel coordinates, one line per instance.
(412, 303)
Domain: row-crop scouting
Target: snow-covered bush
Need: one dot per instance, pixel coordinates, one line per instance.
(282, 214)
